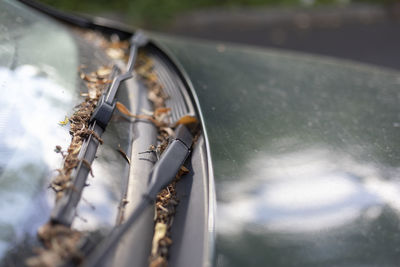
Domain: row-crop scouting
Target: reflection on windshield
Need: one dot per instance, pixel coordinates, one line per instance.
(29, 114)
(310, 190)
(101, 199)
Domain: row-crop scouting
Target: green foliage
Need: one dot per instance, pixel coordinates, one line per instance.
(155, 13)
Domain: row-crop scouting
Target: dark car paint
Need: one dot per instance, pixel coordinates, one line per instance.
(305, 153)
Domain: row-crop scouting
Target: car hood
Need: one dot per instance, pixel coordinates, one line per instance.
(305, 153)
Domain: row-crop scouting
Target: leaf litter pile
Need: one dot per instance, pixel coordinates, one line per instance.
(61, 243)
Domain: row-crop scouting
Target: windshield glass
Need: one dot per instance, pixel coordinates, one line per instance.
(40, 86)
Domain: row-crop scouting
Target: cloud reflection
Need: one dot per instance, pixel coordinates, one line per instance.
(303, 191)
(30, 108)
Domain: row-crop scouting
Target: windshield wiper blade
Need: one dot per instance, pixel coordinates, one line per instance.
(163, 173)
(65, 208)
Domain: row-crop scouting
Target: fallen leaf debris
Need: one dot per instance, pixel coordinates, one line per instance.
(164, 216)
(167, 199)
(60, 243)
(79, 130)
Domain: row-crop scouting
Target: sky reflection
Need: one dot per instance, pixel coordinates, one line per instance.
(29, 114)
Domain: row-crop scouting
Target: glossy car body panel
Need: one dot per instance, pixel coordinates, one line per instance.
(305, 153)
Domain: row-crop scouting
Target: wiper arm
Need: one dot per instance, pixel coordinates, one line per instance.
(106, 106)
(64, 210)
(163, 173)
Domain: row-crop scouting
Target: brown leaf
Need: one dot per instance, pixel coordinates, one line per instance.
(76, 150)
(184, 169)
(88, 77)
(161, 110)
(158, 262)
(168, 130)
(103, 71)
(124, 110)
(160, 230)
(123, 154)
(92, 92)
(185, 120)
(104, 81)
(115, 53)
(158, 101)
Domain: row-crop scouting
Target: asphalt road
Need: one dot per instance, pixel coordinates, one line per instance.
(368, 34)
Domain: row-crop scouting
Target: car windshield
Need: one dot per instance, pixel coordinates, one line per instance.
(40, 86)
(37, 89)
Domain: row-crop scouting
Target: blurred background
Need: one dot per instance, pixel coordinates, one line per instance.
(361, 30)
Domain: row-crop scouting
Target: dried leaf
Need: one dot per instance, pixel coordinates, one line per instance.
(147, 112)
(119, 44)
(103, 71)
(64, 122)
(168, 130)
(185, 120)
(115, 53)
(89, 77)
(157, 100)
(123, 154)
(158, 262)
(161, 110)
(184, 169)
(92, 92)
(150, 77)
(76, 150)
(104, 81)
(124, 110)
(160, 230)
